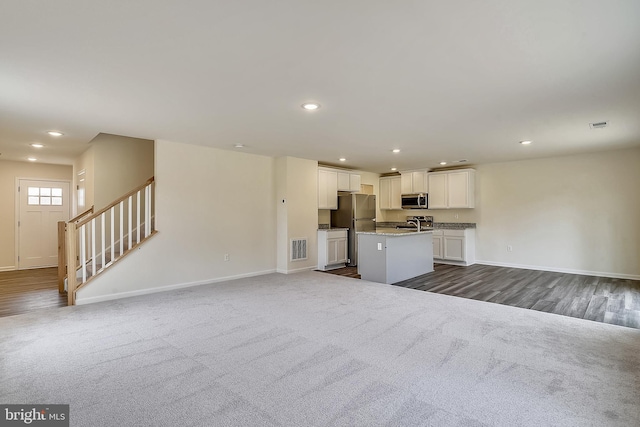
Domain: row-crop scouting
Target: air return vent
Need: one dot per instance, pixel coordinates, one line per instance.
(598, 125)
(298, 249)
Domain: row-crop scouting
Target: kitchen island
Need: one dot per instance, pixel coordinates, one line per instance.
(390, 255)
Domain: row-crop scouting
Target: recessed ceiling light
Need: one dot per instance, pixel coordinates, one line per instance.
(443, 163)
(394, 169)
(396, 150)
(525, 142)
(37, 145)
(239, 145)
(342, 159)
(55, 133)
(32, 159)
(310, 106)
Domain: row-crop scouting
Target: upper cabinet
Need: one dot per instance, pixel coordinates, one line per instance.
(348, 181)
(390, 193)
(413, 182)
(451, 189)
(327, 189)
(330, 181)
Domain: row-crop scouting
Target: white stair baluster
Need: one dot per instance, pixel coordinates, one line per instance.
(93, 247)
(147, 210)
(121, 227)
(83, 253)
(113, 242)
(138, 216)
(130, 232)
(102, 240)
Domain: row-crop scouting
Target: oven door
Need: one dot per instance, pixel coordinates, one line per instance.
(415, 201)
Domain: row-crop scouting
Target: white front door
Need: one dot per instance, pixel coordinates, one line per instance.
(41, 205)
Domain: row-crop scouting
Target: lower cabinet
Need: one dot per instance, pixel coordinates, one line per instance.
(332, 249)
(454, 246)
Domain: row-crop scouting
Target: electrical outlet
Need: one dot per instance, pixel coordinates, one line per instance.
(226, 257)
(379, 246)
(509, 248)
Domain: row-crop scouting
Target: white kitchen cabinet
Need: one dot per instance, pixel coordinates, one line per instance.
(349, 181)
(452, 189)
(456, 247)
(327, 189)
(355, 180)
(390, 193)
(437, 191)
(413, 182)
(332, 249)
(437, 244)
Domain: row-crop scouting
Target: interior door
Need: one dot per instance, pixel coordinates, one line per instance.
(41, 205)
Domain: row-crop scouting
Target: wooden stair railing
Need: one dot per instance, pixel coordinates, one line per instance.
(95, 242)
(62, 247)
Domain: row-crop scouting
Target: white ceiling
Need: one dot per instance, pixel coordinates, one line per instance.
(441, 80)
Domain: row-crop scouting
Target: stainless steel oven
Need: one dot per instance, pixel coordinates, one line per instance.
(415, 201)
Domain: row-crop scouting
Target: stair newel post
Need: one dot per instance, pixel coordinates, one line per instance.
(72, 242)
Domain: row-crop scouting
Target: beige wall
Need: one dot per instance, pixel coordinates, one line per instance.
(209, 203)
(297, 185)
(121, 164)
(9, 171)
(575, 213)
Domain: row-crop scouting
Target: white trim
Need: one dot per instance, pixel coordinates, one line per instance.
(91, 300)
(297, 270)
(8, 268)
(458, 263)
(562, 270)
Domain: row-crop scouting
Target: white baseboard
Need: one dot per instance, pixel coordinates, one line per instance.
(297, 270)
(91, 300)
(8, 268)
(562, 270)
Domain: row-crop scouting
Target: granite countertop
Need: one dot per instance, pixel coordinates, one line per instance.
(331, 228)
(436, 225)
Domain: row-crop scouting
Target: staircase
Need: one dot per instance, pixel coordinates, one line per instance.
(94, 241)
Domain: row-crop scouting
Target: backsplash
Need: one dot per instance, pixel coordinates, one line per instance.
(439, 215)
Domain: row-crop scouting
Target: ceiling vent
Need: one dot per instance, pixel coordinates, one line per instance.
(598, 125)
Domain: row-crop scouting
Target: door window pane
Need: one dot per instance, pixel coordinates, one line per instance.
(47, 196)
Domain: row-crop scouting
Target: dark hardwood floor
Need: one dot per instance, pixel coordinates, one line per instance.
(614, 301)
(23, 291)
(344, 271)
(601, 299)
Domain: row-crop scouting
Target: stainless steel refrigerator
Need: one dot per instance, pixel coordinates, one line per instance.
(358, 213)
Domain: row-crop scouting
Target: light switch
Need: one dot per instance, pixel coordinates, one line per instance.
(379, 246)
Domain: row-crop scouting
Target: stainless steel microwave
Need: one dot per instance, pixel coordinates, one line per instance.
(415, 201)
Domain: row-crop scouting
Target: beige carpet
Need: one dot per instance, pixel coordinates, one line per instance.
(313, 349)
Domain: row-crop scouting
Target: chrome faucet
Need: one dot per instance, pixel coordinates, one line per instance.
(415, 222)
